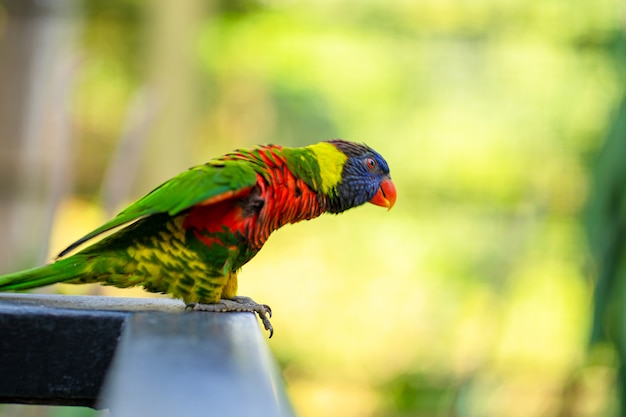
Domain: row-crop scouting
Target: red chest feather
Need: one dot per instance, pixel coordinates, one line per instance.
(213, 217)
(277, 199)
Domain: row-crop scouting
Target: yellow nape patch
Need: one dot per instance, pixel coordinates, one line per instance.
(330, 160)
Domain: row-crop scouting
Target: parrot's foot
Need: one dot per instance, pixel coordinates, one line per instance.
(238, 303)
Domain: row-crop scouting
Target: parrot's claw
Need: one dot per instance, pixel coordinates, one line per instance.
(238, 303)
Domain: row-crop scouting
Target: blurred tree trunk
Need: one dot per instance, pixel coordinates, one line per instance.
(34, 136)
(173, 29)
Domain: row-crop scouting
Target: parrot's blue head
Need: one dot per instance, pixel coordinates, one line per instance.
(364, 178)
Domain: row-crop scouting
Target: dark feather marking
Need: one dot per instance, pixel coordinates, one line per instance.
(183, 290)
(253, 203)
(351, 149)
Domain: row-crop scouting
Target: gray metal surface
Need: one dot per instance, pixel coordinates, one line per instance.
(194, 364)
(156, 359)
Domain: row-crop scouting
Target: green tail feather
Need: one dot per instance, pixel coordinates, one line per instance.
(60, 271)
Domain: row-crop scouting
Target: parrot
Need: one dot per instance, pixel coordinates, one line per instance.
(190, 236)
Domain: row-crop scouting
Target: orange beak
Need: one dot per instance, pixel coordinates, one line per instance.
(386, 195)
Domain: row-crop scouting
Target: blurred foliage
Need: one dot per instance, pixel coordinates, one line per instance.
(473, 296)
(606, 224)
(410, 393)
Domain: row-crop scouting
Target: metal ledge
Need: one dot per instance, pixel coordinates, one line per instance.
(150, 356)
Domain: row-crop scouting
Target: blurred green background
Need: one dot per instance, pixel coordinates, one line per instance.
(474, 296)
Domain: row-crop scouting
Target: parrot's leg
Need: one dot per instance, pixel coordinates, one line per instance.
(238, 303)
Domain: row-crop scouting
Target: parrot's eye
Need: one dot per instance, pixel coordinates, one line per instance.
(371, 164)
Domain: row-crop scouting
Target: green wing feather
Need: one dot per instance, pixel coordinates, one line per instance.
(199, 184)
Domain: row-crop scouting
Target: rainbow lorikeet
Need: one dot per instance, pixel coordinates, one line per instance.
(190, 236)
